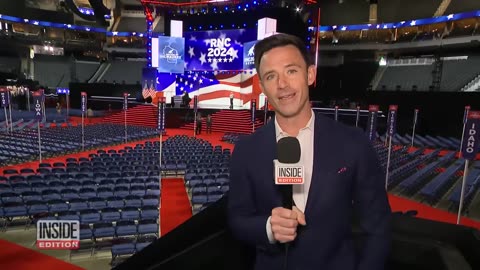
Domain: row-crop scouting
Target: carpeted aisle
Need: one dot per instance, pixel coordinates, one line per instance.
(175, 205)
(14, 256)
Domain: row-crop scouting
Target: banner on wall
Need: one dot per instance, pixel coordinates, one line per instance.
(171, 55)
(216, 50)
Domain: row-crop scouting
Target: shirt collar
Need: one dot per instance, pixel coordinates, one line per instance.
(279, 132)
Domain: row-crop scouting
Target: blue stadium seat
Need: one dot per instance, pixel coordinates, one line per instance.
(125, 228)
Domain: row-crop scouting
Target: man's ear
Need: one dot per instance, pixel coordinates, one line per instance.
(311, 74)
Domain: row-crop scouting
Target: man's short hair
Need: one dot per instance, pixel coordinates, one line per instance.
(280, 40)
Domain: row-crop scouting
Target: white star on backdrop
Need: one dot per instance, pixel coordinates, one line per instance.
(190, 52)
(234, 54)
(214, 65)
(202, 58)
(193, 38)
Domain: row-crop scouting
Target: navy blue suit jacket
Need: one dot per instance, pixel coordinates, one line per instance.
(347, 181)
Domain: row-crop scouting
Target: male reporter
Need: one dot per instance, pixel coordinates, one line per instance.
(343, 178)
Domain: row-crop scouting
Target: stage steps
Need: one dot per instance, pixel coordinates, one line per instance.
(235, 121)
(139, 115)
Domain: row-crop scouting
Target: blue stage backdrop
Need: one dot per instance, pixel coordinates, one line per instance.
(171, 54)
(216, 50)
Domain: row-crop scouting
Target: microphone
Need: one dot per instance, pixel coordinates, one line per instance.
(288, 171)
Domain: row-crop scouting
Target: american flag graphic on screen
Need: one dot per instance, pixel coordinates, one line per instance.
(212, 88)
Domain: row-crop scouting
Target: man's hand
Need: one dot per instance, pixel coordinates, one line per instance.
(284, 223)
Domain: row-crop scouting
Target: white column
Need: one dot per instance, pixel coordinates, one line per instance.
(266, 27)
(176, 28)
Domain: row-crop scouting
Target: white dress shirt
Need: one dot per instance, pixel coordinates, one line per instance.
(300, 192)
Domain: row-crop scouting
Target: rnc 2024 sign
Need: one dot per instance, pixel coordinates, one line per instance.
(216, 50)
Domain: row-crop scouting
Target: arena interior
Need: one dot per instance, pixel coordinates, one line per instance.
(87, 98)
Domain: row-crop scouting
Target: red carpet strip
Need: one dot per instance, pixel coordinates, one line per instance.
(175, 205)
(13, 256)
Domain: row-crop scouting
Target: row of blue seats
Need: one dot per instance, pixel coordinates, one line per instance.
(209, 189)
(128, 247)
(471, 186)
(206, 174)
(77, 201)
(437, 187)
(97, 177)
(121, 228)
(202, 198)
(425, 141)
(399, 174)
(400, 158)
(22, 146)
(68, 193)
(208, 182)
(412, 183)
(151, 171)
(85, 216)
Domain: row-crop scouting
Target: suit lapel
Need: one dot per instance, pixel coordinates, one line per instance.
(322, 148)
(267, 152)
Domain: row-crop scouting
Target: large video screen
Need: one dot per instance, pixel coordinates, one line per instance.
(216, 50)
